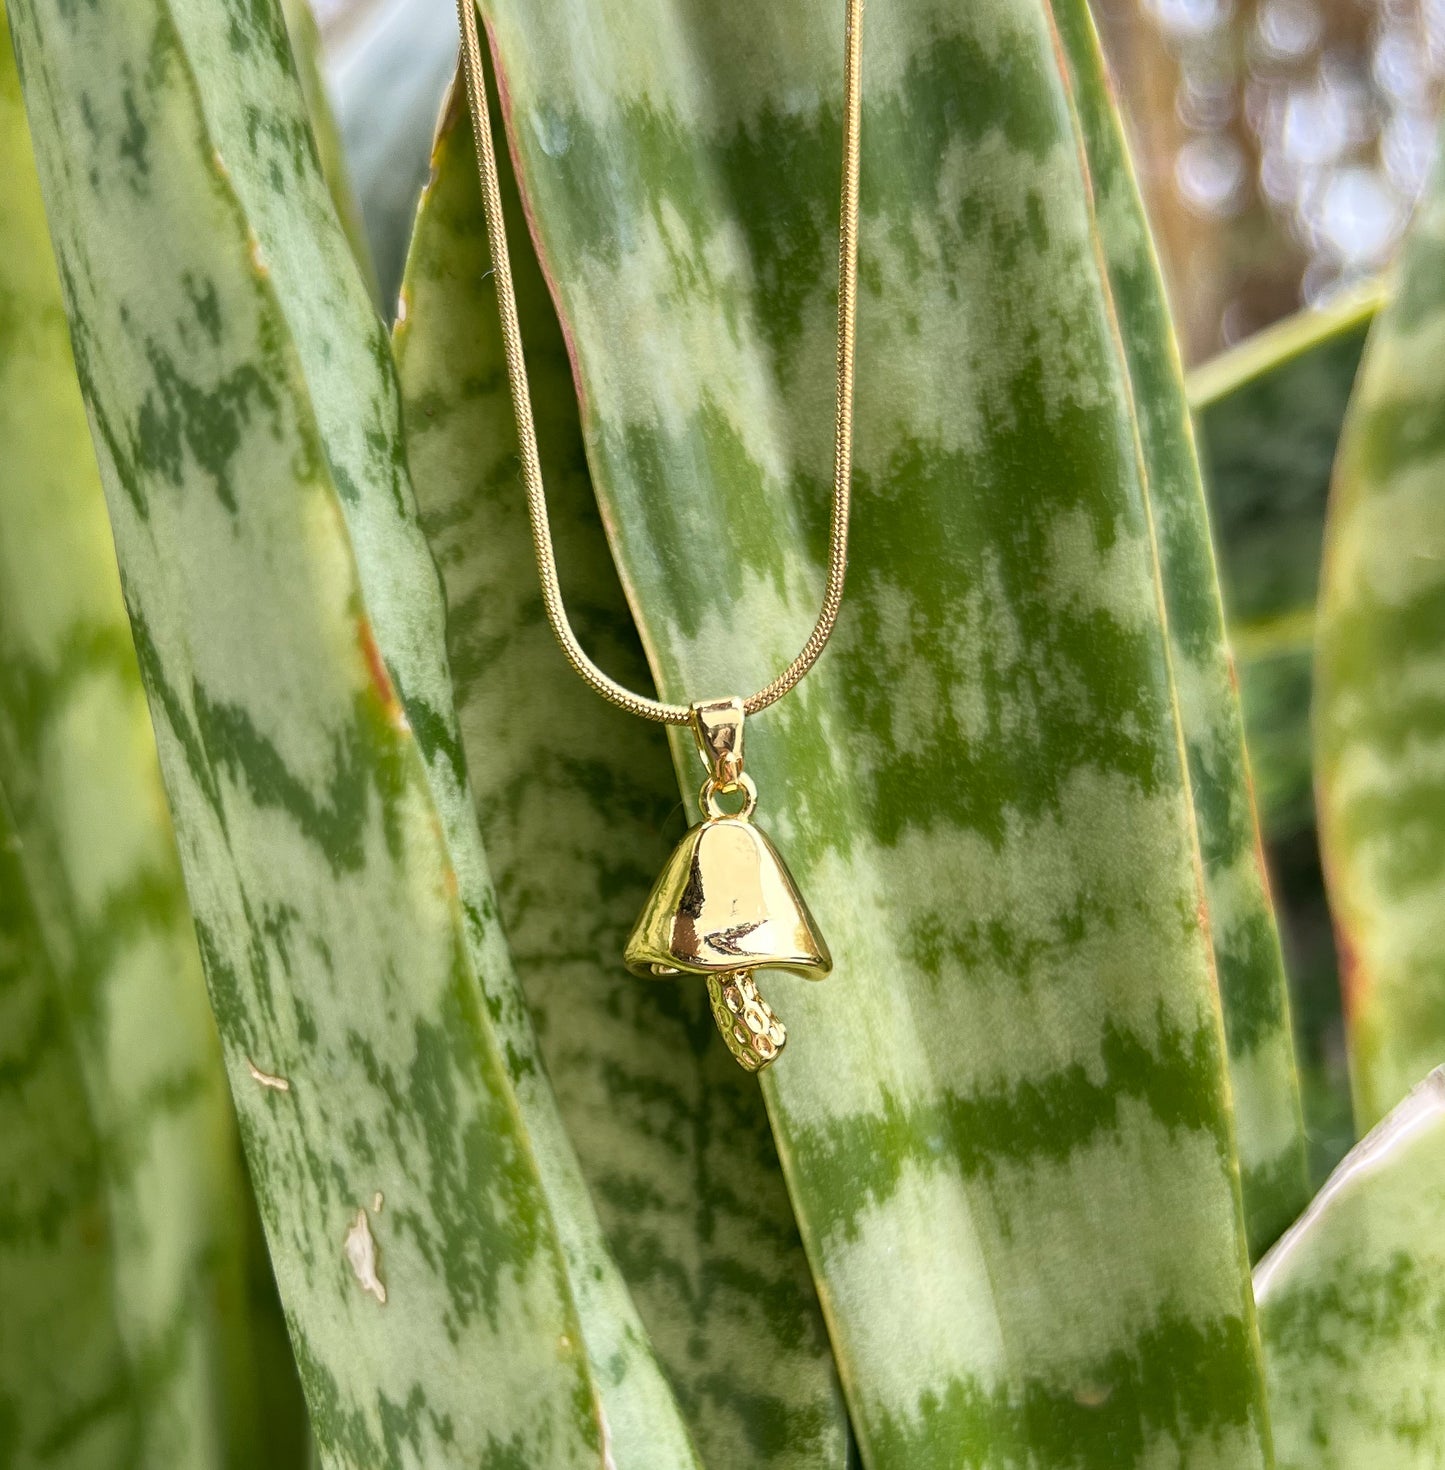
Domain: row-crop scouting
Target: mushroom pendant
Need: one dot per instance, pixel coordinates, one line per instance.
(725, 906)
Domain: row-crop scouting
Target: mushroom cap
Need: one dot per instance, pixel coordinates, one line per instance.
(726, 902)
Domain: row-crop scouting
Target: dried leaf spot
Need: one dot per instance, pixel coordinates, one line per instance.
(258, 259)
(267, 1079)
(381, 677)
(377, 1201)
(360, 1248)
(1093, 1395)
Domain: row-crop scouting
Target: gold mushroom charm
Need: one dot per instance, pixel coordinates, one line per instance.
(725, 905)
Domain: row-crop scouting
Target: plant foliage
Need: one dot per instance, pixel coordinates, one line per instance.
(995, 1206)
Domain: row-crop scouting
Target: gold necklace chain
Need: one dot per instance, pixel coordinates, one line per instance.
(609, 689)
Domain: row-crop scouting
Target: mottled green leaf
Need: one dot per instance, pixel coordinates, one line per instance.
(127, 1337)
(1268, 415)
(1004, 1118)
(448, 1295)
(305, 40)
(1352, 1305)
(1380, 673)
(66, 1375)
(578, 807)
(1269, 1126)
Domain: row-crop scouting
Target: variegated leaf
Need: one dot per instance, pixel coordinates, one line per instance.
(306, 49)
(578, 807)
(448, 1293)
(1269, 1126)
(1352, 1302)
(127, 1252)
(65, 1364)
(1004, 1118)
(1380, 669)
(1268, 415)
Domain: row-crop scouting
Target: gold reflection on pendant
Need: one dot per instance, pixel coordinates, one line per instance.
(724, 907)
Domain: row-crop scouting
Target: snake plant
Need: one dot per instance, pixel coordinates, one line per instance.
(1269, 415)
(996, 1205)
(1382, 616)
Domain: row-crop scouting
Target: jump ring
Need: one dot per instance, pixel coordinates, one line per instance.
(711, 790)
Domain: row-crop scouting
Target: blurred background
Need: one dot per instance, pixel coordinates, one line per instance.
(1281, 145)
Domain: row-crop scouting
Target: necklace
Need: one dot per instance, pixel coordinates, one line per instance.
(725, 906)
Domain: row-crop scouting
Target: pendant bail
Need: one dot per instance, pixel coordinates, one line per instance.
(717, 726)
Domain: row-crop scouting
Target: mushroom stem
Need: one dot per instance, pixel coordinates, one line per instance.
(749, 1026)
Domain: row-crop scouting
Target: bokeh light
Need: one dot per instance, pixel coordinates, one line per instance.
(1284, 150)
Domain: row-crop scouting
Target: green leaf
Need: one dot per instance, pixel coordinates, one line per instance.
(1351, 1302)
(448, 1294)
(1269, 1126)
(305, 40)
(66, 1375)
(127, 1252)
(981, 786)
(1379, 717)
(578, 808)
(1268, 415)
